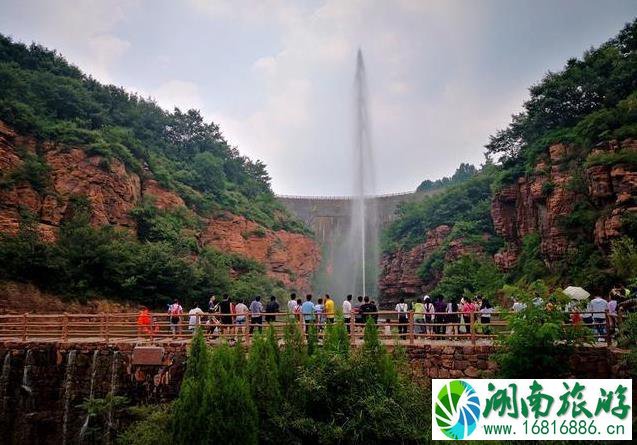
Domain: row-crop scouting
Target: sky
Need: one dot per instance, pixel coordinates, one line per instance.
(277, 75)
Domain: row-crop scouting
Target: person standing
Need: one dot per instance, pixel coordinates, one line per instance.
(225, 309)
(271, 308)
(241, 310)
(419, 315)
(347, 312)
(468, 308)
(453, 317)
(358, 315)
(598, 307)
(213, 305)
(612, 312)
(429, 315)
(307, 310)
(144, 322)
(440, 316)
(367, 310)
(175, 311)
(374, 311)
(319, 310)
(402, 310)
(292, 304)
(194, 318)
(485, 316)
(256, 311)
(329, 309)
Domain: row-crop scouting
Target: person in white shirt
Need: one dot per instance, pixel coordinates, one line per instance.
(347, 312)
(402, 310)
(292, 304)
(194, 318)
(598, 307)
(612, 312)
(518, 306)
(241, 311)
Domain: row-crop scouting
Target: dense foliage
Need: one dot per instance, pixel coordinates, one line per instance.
(591, 100)
(587, 102)
(152, 269)
(41, 94)
(462, 173)
(538, 344)
(296, 393)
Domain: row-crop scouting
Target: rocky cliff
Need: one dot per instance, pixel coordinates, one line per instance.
(114, 190)
(543, 201)
(538, 203)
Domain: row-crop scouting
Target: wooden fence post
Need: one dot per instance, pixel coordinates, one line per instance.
(247, 327)
(24, 326)
(473, 327)
(65, 328)
(107, 327)
(411, 328)
(352, 329)
(609, 337)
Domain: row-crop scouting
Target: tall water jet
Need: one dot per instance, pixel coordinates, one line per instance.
(362, 245)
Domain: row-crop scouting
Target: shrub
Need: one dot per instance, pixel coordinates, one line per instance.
(538, 344)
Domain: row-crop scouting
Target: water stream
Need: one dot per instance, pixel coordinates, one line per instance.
(68, 388)
(4, 381)
(90, 397)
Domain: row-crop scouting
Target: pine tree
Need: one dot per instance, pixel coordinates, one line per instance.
(191, 410)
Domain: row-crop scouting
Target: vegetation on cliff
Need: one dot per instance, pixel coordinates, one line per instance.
(41, 94)
(44, 98)
(593, 100)
(153, 269)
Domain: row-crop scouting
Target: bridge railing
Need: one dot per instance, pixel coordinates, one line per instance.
(407, 327)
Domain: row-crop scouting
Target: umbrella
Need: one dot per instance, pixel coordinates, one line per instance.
(576, 293)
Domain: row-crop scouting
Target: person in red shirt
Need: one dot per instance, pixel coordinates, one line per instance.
(144, 322)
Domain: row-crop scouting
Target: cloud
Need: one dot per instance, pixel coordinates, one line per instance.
(82, 31)
(178, 93)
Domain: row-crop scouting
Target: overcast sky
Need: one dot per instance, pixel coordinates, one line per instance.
(277, 76)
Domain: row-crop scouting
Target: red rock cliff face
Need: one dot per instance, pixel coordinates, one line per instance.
(290, 258)
(539, 203)
(534, 204)
(114, 191)
(399, 270)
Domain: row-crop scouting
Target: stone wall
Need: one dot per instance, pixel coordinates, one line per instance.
(42, 384)
(458, 361)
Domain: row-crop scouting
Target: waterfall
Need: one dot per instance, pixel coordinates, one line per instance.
(113, 392)
(90, 397)
(4, 380)
(68, 387)
(359, 264)
(26, 381)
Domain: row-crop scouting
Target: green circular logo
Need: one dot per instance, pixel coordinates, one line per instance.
(457, 409)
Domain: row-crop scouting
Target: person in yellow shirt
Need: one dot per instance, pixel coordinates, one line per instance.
(329, 309)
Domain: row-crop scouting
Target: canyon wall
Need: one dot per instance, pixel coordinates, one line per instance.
(536, 203)
(114, 190)
(42, 385)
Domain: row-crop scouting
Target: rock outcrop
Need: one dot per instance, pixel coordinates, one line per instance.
(540, 203)
(399, 270)
(114, 190)
(290, 258)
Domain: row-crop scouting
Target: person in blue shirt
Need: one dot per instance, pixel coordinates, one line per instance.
(307, 309)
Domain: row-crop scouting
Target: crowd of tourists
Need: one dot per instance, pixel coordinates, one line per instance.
(431, 317)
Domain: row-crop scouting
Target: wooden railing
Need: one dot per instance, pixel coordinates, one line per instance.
(408, 328)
